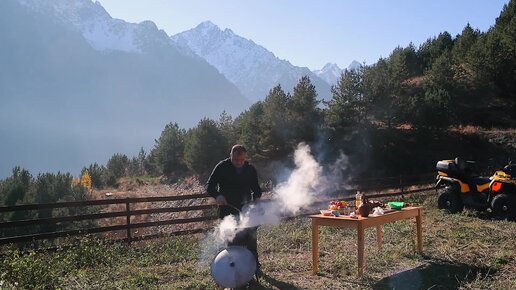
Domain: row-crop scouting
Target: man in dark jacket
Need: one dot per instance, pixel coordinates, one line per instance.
(234, 183)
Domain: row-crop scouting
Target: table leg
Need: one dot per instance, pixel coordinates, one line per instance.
(379, 236)
(360, 232)
(419, 229)
(315, 245)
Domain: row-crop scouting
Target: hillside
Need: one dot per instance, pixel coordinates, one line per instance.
(465, 251)
(64, 103)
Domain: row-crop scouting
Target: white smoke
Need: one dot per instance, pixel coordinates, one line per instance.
(290, 197)
(301, 187)
(300, 190)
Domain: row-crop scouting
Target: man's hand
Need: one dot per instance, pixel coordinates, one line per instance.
(221, 200)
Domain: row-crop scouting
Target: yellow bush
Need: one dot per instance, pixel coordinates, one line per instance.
(86, 180)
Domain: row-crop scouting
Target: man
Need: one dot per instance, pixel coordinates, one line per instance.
(234, 183)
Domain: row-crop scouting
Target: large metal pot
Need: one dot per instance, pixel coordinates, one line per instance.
(233, 267)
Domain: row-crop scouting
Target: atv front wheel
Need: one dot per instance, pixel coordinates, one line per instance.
(503, 206)
(450, 201)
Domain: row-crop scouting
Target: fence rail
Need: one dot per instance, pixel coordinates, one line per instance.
(396, 185)
(128, 226)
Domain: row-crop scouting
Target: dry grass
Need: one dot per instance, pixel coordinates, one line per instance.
(470, 129)
(463, 251)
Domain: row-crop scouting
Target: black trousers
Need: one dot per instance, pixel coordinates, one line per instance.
(246, 237)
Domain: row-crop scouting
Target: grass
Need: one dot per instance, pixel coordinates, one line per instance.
(462, 251)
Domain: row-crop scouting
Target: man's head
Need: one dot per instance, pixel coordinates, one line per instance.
(238, 155)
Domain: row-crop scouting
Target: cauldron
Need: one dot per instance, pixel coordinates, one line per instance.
(233, 267)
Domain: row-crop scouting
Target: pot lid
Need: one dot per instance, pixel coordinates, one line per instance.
(233, 267)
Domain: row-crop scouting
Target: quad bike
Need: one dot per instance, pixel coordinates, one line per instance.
(503, 191)
(458, 185)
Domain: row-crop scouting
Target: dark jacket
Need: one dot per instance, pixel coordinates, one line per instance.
(237, 187)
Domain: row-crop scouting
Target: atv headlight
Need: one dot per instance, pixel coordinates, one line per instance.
(496, 186)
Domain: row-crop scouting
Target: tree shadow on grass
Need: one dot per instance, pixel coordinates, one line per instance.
(433, 275)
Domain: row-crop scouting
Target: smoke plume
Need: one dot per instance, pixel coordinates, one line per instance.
(305, 183)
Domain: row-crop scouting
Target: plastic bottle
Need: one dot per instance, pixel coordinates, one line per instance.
(358, 199)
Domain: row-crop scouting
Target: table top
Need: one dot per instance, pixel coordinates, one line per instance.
(371, 216)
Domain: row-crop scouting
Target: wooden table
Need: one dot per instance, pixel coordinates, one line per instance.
(360, 224)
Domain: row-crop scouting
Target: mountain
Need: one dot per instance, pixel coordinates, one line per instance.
(98, 28)
(77, 86)
(251, 67)
(354, 65)
(331, 72)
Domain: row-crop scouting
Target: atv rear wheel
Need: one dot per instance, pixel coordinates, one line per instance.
(503, 206)
(450, 200)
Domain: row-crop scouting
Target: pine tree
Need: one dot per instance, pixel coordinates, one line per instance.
(277, 128)
(304, 115)
(138, 164)
(205, 146)
(249, 127)
(441, 74)
(169, 149)
(501, 50)
(98, 174)
(463, 43)
(15, 187)
(345, 109)
(227, 127)
(116, 168)
(429, 51)
(377, 88)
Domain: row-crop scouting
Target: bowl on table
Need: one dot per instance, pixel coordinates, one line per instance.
(347, 210)
(326, 212)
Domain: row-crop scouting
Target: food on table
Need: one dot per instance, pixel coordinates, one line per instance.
(378, 211)
(375, 203)
(339, 204)
(343, 207)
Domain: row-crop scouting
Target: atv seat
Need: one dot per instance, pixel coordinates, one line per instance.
(461, 164)
(457, 168)
(468, 167)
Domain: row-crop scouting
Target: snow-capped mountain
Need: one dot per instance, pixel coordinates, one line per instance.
(77, 86)
(96, 25)
(251, 67)
(331, 72)
(354, 65)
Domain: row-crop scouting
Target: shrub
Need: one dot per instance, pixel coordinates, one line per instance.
(30, 271)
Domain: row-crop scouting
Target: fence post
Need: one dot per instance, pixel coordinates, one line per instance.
(401, 185)
(128, 219)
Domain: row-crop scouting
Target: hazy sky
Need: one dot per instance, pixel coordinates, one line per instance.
(313, 33)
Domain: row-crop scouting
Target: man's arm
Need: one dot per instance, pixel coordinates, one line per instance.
(212, 184)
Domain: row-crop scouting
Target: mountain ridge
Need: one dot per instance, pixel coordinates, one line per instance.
(331, 72)
(78, 85)
(66, 104)
(251, 67)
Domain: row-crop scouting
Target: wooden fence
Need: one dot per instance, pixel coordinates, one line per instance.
(379, 187)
